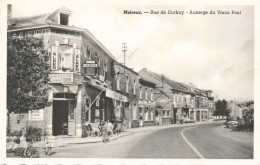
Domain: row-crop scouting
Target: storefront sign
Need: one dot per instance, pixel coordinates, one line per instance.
(115, 95)
(77, 60)
(61, 78)
(35, 115)
(54, 58)
(90, 65)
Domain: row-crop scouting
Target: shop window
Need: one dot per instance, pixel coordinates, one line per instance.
(166, 113)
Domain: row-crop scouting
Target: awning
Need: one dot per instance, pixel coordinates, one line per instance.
(164, 104)
(115, 95)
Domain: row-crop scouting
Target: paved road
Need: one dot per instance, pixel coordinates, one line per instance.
(193, 142)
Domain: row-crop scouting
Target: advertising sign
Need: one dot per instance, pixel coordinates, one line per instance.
(61, 78)
(77, 60)
(115, 95)
(35, 115)
(54, 59)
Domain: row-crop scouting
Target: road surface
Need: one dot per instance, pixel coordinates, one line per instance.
(207, 141)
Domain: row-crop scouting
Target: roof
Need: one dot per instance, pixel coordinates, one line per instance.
(173, 84)
(129, 69)
(45, 20)
(28, 21)
(164, 104)
(147, 82)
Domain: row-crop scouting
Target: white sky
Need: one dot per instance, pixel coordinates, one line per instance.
(212, 51)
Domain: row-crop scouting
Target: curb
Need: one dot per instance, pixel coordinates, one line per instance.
(98, 141)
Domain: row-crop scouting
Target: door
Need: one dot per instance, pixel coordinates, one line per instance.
(71, 119)
(60, 117)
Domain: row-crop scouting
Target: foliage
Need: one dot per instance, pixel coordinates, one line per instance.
(27, 74)
(221, 108)
(33, 134)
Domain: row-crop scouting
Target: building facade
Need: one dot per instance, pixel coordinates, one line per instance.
(80, 72)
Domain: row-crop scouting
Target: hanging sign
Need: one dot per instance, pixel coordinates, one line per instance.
(77, 60)
(54, 59)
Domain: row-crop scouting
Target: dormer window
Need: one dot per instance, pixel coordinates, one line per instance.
(64, 19)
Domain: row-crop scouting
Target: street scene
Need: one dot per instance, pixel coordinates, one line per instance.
(70, 96)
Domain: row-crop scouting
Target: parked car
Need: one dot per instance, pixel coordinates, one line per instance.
(232, 122)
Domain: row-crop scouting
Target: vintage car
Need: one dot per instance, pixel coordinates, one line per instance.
(232, 122)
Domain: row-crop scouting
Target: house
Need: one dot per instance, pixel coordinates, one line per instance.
(80, 72)
(177, 102)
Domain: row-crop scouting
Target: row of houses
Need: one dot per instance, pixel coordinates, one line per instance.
(87, 84)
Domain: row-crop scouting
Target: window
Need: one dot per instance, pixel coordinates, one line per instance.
(97, 113)
(134, 87)
(127, 84)
(141, 93)
(166, 113)
(105, 69)
(134, 112)
(97, 101)
(146, 94)
(88, 53)
(66, 58)
(140, 110)
(118, 83)
(151, 114)
(151, 94)
(118, 80)
(146, 114)
(64, 19)
(103, 115)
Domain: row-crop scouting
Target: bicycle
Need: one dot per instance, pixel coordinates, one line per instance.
(105, 136)
(31, 152)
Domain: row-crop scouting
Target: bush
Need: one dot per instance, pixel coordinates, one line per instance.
(33, 134)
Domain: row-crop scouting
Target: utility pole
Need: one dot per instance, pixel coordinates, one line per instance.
(124, 49)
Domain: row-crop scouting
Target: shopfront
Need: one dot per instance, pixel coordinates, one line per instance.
(118, 100)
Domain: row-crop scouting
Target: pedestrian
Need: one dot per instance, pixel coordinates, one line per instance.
(49, 145)
(23, 143)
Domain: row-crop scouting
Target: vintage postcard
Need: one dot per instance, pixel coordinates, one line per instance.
(95, 82)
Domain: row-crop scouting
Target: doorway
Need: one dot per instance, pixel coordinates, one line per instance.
(60, 117)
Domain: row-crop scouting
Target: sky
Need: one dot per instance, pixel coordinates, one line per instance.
(213, 52)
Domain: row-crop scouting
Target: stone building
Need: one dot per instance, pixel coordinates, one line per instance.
(80, 71)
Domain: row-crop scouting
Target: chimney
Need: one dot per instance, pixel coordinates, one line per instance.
(9, 14)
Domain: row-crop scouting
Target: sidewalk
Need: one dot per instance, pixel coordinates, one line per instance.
(64, 141)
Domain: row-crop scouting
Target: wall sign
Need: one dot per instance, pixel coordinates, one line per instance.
(35, 115)
(54, 59)
(77, 60)
(61, 78)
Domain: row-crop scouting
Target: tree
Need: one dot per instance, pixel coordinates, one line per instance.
(27, 74)
(221, 108)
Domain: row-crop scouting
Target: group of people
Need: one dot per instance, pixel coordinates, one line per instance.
(25, 143)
